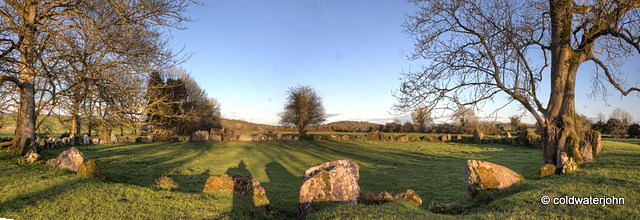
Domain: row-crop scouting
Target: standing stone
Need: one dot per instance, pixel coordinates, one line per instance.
(335, 181)
(403, 138)
(295, 138)
(68, 159)
(238, 184)
(595, 139)
(459, 138)
(374, 135)
(443, 138)
(245, 137)
(113, 139)
(477, 136)
(448, 137)
(481, 175)
(498, 137)
(229, 135)
(345, 137)
(199, 136)
(259, 137)
(586, 151)
(287, 137)
(215, 137)
(95, 141)
(85, 139)
(278, 135)
(507, 134)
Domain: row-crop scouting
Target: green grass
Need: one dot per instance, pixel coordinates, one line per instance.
(432, 169)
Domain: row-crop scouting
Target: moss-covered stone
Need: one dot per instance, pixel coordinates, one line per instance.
(222, 183)
(90, 169)
(546, 170)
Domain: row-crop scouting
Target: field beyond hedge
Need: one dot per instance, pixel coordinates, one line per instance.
(432, 169)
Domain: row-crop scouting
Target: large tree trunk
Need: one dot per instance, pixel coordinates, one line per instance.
(26, 121)
(559, 132)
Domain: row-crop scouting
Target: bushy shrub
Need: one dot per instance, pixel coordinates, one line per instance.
(166, 183)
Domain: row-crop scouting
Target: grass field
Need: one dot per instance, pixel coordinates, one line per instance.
(432, 169)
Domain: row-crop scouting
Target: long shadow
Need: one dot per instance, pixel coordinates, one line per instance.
(279, 190)
(243, 201)
(143, 164)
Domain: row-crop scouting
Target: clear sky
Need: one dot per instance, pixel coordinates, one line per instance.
(247, 54)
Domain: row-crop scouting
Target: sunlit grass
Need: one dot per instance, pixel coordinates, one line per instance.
(432, 169)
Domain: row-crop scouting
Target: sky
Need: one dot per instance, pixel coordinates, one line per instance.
(247, 54)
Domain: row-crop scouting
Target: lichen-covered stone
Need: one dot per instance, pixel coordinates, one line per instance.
(68, 159)
(90, 169)
(331, 181)
(595, 139)
(228, 135)
(586, 151)
(403, 138)
(546, 170)
(481, 175)
(568, 164)
(199, 136)
(31, 157)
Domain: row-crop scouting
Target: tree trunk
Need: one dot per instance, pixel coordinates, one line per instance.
(26, 117)
(559, 132)
(75, 117)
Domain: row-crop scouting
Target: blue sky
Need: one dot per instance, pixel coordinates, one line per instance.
(247, 54)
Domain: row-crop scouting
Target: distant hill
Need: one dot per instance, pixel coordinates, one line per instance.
(341, 126)
(240, 125)
(347, 126)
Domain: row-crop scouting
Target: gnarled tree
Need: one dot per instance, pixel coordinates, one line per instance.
(34, 40)
(478, 49)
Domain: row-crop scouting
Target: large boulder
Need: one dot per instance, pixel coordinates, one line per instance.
(68, 159)
(481, 175)
(374, 135)
(215, 137)
(245, 137)
(335, 181)
(199, 136)
(477, 136)
(90, 169)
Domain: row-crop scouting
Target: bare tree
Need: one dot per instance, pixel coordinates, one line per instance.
(303, 108)
(466, 117)
(625, 117)
(479, 49)
(421, 116)
(35, 39)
